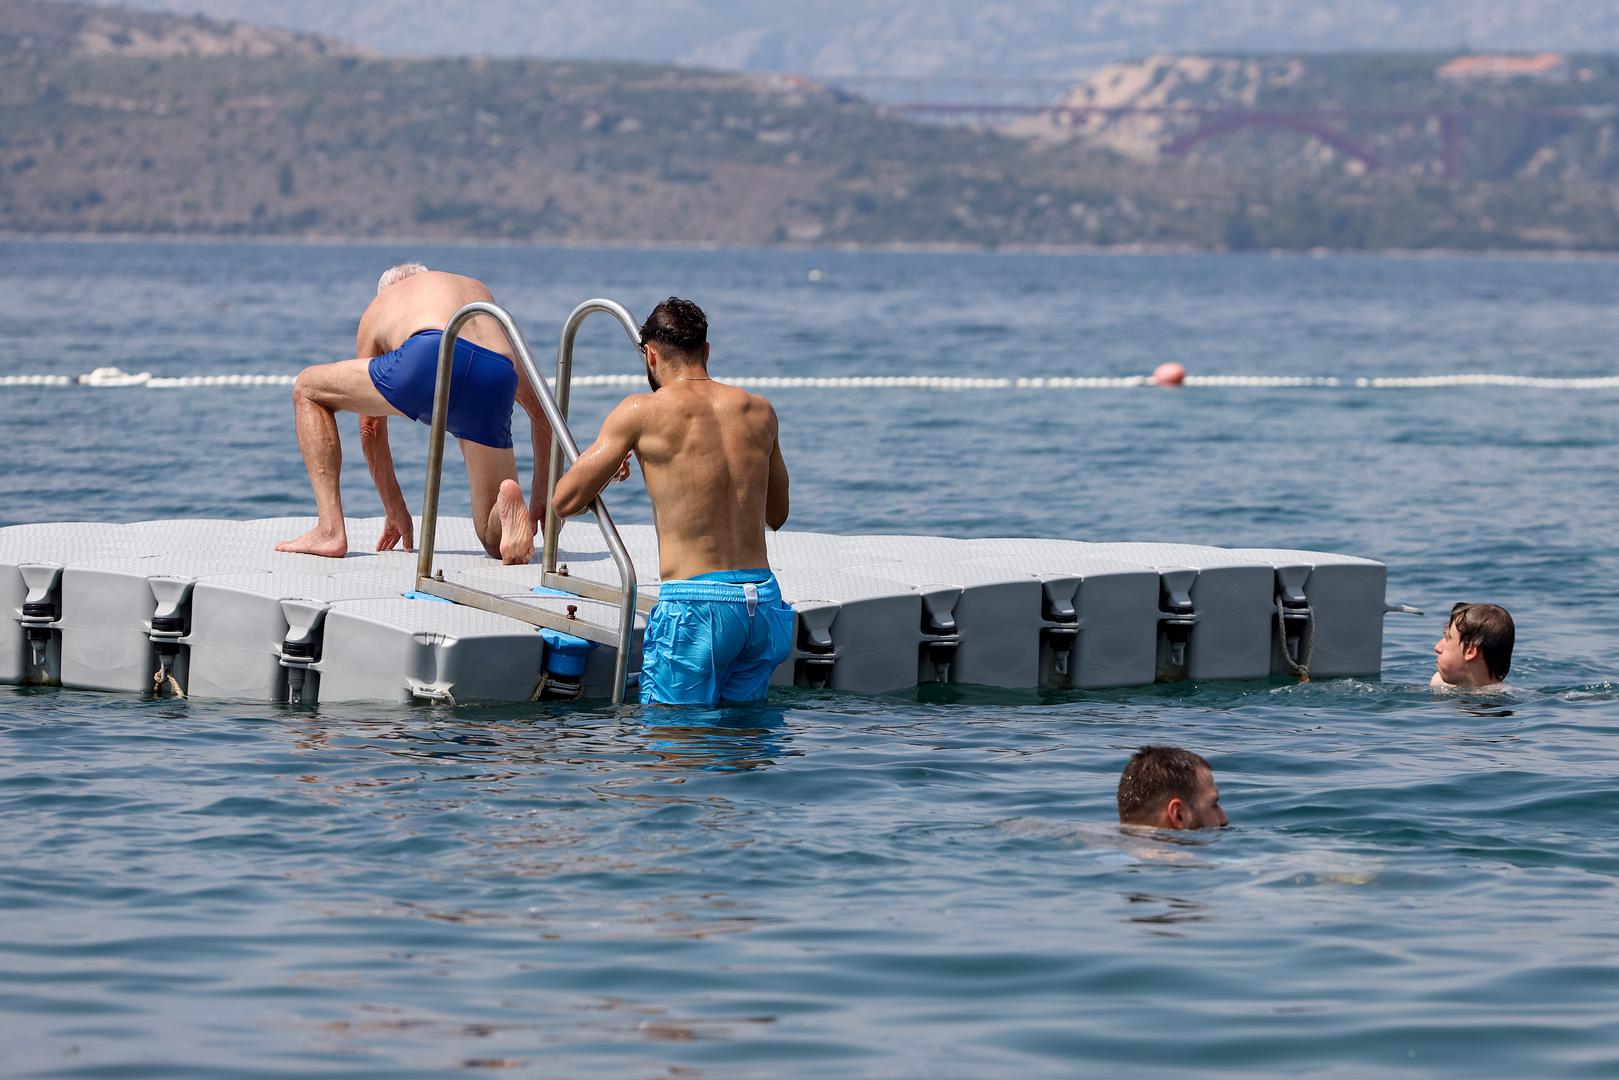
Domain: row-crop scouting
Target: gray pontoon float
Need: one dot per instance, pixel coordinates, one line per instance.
(208, 608)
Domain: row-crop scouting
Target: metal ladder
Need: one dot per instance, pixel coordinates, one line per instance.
(562, 446)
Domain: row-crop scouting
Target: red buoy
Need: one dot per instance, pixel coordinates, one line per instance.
(1169, 374)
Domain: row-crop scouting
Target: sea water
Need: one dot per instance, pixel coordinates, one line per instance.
(926, 883)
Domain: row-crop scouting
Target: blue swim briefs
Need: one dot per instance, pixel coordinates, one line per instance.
(483, 386)
(716, 637)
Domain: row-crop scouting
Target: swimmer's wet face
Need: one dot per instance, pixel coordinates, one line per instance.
(1476, 647)
(1165, 787)
(1452, 656)
(1203, 810)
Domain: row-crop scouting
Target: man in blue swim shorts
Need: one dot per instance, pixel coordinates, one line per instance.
(715, 474)
(397, 348)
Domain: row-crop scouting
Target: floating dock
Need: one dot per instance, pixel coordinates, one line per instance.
(209, 609)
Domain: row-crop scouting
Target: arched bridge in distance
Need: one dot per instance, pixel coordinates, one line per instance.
(1304, 122)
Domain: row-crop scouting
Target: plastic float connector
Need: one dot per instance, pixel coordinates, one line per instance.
(301, 649)
(940, 636)
(818, 653)
(1295, 621)
(1059, 632)
(41, 610)
(166, 630)
(1176, 618)
(436, 693)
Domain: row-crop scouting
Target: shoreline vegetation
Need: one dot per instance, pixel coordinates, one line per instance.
(117, 124)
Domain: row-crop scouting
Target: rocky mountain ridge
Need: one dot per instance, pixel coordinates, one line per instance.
(71, 29)
(1006, 38)
(113, 123)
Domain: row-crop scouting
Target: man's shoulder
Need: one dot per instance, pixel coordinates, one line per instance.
(747, 397)
(636, 405)
(761, 404)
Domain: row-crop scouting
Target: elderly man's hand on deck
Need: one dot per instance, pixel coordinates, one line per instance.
(399, 527)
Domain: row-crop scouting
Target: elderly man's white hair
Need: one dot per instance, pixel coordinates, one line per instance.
(398, 273)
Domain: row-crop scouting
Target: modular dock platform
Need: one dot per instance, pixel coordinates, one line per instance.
(208, 609)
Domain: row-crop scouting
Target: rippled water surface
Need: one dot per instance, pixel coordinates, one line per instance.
(915, 884)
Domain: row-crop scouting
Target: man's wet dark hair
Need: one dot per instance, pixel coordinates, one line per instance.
(1490, 628)
(679, 326)
(1155, 775)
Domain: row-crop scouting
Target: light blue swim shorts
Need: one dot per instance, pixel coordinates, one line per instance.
(716, 637)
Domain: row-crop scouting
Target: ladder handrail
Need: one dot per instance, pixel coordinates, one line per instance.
(561, 439)
(564, 384)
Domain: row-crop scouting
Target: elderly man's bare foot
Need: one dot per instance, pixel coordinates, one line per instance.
(516, 534)
(318, 541)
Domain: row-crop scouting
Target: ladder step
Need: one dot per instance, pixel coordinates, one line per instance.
(521, 611)
(594, 590)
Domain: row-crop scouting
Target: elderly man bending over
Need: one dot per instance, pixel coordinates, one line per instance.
(397, 348)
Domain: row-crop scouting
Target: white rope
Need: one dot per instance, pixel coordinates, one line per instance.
(113, 377)
(1606, 382)
(1260, 380)
(35, 380)
(187, 381)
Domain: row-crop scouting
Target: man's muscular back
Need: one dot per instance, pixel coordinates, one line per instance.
(706, 451)
(426, 301)
(713, 469)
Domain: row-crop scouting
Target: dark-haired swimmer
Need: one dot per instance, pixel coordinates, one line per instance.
(397, 348)
(715, 474)
(1476, 648)
(1165, 787)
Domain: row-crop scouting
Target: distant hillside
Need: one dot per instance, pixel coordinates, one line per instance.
(306, 142)
(132, 123)
(916, 37)
(35, 27)
(1493, 117)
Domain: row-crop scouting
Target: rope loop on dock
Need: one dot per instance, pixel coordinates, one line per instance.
(1301, 667)
(164, 677)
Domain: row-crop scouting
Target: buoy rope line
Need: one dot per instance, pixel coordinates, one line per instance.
(114, 377)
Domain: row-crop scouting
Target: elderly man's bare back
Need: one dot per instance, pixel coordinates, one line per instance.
(396, 349)
(426, 301)
(710, 458)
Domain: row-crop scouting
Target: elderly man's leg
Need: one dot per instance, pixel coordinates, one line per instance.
(540, 432)
(319, 393)
(498, 512)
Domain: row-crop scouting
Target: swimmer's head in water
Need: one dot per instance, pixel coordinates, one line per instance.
(397, 273)
(679, 331)
(1477, 641)
(1169, 788)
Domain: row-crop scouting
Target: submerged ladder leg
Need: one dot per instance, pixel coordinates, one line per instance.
(563, 447)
